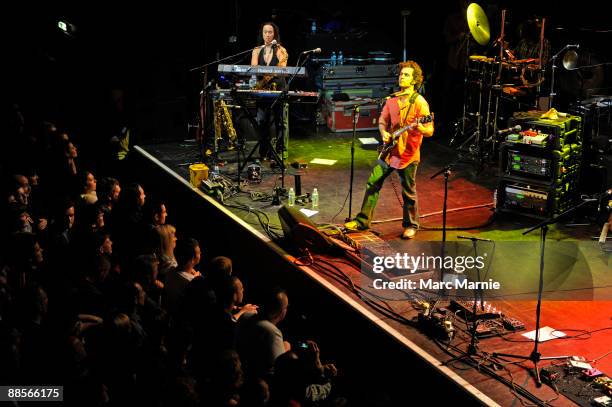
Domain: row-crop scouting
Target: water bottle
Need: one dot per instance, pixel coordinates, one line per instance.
(340, 58)
(313, 27)
(291, 197)
(315, 199)
(332, 60)
(252, 81)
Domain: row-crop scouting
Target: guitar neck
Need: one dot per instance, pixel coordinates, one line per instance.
(399, 131)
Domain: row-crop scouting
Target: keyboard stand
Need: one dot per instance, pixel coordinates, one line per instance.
(268, 140)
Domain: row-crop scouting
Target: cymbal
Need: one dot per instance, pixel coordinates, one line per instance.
(478, 23)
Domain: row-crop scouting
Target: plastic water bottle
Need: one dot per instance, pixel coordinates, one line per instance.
(291, 197)
(333, 59)
(313, 27)
(340, 58)
(315, 199)
(215, 171)
(252, 81)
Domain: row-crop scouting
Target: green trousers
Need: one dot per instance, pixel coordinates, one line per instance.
(409, 194)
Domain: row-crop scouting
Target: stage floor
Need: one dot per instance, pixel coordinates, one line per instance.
(577, 276)
(470, 193)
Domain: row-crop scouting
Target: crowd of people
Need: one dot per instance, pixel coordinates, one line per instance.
(100, 294)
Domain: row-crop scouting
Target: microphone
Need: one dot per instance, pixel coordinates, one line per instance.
(577, 46)
(312, 51)
(509, 130)
(474, 239)
(273, 44)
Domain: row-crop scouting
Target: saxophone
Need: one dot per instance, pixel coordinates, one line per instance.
(223, 120)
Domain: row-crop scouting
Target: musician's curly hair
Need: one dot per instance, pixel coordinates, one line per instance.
(417, 73)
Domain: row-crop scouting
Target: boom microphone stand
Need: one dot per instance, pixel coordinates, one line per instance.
(447, 172)
(283, 99)
(535, 355)
(356, 109)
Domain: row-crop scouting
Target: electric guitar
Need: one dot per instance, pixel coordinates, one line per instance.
(385, 148)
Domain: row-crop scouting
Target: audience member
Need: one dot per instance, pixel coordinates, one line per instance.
(88, 185)
(187, 257)
(260, 341)
(167, 245)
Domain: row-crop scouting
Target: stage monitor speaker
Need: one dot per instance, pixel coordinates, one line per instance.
(301, 231)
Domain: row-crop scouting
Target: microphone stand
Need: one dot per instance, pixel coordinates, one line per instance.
(197, 68)
(473, 347)
(446, 171)
(356, 109)
(535, 355)
(283, 98)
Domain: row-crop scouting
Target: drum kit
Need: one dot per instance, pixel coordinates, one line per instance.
(495, 86)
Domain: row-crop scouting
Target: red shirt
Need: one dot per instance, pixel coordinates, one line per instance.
(393, 117)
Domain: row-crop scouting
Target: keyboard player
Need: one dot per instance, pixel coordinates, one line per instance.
(271, 53)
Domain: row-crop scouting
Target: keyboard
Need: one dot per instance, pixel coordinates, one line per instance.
(248, 70)
(294, 96)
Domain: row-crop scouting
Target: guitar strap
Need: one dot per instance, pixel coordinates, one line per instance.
(411, 101)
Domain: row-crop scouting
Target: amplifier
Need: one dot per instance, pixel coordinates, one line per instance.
(535, 199)
(540, 164)
(379, 86)
(359, 71)
(527, 199)
(523, 164)
(522, 196)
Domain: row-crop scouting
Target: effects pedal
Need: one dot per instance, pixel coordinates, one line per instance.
(483, 311)
(212, 187)
(437, 325)
(483, 329)
(513, 324)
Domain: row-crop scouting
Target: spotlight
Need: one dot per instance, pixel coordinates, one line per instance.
(67, 28)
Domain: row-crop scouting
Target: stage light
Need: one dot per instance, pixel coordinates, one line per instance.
(67, 28)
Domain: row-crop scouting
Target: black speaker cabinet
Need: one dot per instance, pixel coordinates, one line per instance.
(301, 231)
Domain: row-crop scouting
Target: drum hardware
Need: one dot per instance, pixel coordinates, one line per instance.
(493, 86)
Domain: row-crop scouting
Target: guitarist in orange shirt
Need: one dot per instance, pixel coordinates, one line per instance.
(406, 115)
